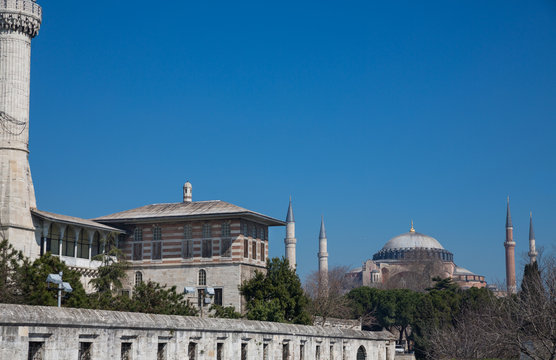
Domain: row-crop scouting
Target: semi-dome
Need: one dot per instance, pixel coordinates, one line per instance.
(413, 245)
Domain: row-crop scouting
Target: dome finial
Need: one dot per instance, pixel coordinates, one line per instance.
(412, 229)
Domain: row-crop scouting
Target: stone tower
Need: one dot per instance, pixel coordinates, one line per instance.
(532, 250)
(19, 23)
(290, 240)
(509, 244)
(323, 257)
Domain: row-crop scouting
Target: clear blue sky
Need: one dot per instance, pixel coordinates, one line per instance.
(369, 113)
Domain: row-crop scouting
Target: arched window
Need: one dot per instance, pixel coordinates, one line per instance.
(202, 277)
(138, 278)
(361, 353)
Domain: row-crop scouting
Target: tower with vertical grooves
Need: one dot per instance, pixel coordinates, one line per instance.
(323, 259)
(532, 249)
(19, 22)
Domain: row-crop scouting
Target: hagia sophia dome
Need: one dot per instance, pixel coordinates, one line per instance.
(413, 245)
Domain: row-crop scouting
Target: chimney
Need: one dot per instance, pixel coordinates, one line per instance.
(187, 192)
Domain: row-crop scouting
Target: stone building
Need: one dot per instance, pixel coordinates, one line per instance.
(49, 333)
(206, 248)
(410, 260)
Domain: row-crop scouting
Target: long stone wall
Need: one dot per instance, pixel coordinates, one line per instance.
(36, 332)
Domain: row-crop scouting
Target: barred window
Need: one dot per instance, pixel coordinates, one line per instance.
(187, 251)
(244, 229)
(138, 234)
(207, 248)
(226, 229)
(254, 251)
(261, 233)
(202, 277)
(207, 231)
(187, 231)
(137, 251)
(138, 278)
(156, 250)
(225, 248)
(254, 232)
(157, 233)
(245, 248)
(263, 251)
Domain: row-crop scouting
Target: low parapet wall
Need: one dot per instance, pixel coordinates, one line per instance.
(54, 333)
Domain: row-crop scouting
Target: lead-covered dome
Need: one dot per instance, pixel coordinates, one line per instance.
(413, 246)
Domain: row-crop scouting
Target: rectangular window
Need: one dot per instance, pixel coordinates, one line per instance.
(137, 251)
(219, 351)
(188, 231)
(156, 250)
(161, 352)
(218, 297)
(243, 351)
(245, 248)
(263, 251)
(286, 351)
(157, 233)
(192, 351)
(36, 350)
(125, 351)
(225, 248)
(301, 351)
(244, 229)
(200, 297)
(207, 248)
(265, 351)
(317, 352)
(207, 233)
(254, 250)
(84, 351)
(225, 230)
(187, 251)
(138, 234)
(331, 352)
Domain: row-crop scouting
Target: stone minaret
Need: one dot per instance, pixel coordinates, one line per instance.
(290, 240)
(510, 253)
(532, 250)
(19, 23)
(323, 258)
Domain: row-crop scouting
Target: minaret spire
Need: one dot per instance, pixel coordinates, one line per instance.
(509, 244)
(323, 259)
(532, 250)
(290, 239)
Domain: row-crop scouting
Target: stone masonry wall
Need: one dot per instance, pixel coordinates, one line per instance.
(52, 333)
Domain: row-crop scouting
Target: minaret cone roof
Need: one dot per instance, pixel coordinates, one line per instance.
(531, 231)
(322, 234)
(289, 217)
(508, 215)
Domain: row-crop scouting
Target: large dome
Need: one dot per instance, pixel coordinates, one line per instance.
(412, 246)
(412, 239)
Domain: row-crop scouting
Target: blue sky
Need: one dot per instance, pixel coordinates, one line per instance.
(369, 113)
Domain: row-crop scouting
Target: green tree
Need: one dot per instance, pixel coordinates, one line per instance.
(108, 282)
(38, 292)
(11, 273)
(151, 297)
(226, 312)
(277, 295)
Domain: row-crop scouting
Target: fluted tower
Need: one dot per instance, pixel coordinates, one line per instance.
(19, 23)
(290, 240)
(509, 244)
(323, 257)
(532, 250)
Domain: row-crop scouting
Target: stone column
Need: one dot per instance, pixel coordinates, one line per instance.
(91, 234)
(62, 233)
(45, 229)
(19, 23)
(76, 243)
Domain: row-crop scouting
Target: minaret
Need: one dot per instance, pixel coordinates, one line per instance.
(19, 23)
(323, 258)
(510, 253)
(532, 250)
(290, 240)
